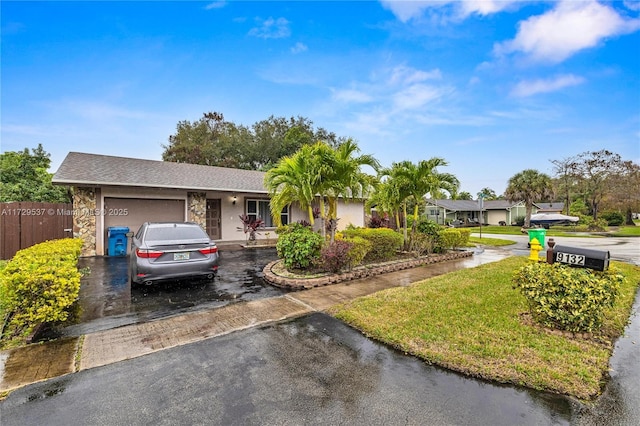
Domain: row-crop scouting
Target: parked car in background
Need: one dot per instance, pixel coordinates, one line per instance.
(172, 251)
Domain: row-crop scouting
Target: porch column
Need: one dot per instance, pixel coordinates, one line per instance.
(84, 219)
(197, 208)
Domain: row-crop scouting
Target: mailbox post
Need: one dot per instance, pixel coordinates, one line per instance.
(581, 257)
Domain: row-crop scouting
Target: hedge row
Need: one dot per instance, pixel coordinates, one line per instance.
(39, 285)
(384, 242)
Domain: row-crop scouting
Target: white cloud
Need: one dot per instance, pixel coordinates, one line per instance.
(351, 96)
(271, 28)
(565, 30)
(405, 10)
(299, 48)
(632, 4)
(407, 75)
(216, 5)
(533, 87)
(484, 7)
(416, 96)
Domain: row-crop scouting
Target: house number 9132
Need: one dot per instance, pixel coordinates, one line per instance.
(570, 258)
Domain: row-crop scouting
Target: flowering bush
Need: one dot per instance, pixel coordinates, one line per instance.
(335, 256)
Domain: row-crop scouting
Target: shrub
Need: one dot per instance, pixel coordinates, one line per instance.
(613, 218)
(453, 238)
(298, 246)
(359, 249)
(519, 221)
(39, 285)
(335, 256)
(428, 240)
(566, 298)
(384, 242)
(587, 222)
(378, 222)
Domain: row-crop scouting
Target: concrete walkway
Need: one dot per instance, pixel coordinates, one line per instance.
(38, 362)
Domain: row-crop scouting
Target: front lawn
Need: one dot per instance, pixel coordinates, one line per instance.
(474, 322)
(627, 231)
(493, 242)
(553, 231)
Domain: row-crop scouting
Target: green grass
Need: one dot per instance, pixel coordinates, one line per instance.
(627, 231)
(494, 242)
(474, 322)
(554, 231)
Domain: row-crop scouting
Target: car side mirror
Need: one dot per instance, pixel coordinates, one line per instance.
(129, 234)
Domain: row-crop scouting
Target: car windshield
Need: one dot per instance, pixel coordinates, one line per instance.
(170, 233)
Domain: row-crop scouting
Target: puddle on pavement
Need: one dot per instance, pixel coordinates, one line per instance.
(36, 362)
(107, 299)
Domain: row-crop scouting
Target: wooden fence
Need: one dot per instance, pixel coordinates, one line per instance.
(23, 224)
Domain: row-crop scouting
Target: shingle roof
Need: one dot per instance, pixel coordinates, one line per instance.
(92, 169)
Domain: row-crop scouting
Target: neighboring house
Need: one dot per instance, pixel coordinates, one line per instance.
(494, 212)
(550, 207)
(113, 191)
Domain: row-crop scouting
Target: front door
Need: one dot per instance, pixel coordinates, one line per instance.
(213, 219)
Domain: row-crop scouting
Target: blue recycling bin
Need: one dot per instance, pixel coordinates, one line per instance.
(118, 240)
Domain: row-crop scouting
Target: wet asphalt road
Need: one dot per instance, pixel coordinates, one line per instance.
(314, 370)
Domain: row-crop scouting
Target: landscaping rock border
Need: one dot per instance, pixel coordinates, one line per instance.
(300, 283)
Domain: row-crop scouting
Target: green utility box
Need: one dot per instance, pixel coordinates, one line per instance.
(538, 234)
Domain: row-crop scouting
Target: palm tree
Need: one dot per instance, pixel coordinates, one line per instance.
(342, 176)
(319, 172)
(386, 198)
(528, 186)
(292, 180)
(417, 180)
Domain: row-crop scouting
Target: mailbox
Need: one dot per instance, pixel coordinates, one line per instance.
(581, 258)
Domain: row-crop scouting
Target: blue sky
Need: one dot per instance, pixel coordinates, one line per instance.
(493, 87)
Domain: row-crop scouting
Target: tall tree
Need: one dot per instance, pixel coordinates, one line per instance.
(623, 192)
(323, 173)
(292, 180)
(24, 176)
(213, 141)
(487, 194)
(344, 178)
(594, 170)
(529, 186)
(414, 181)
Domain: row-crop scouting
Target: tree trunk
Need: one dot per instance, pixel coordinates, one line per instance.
(404, 225)
(527, 214)
(629, 218)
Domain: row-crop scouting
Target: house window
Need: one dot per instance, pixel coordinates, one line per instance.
(262, 209)
(434, 212)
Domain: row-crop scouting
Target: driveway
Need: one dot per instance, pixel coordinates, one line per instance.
(107, 299)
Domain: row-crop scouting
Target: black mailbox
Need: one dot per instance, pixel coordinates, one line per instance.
(581, 258)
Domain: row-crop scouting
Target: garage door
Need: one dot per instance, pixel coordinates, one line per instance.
(133, 212)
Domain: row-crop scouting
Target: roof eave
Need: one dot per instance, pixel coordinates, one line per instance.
(143, 185)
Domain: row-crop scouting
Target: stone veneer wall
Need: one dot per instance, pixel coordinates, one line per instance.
(84, 219)
(197, 202)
